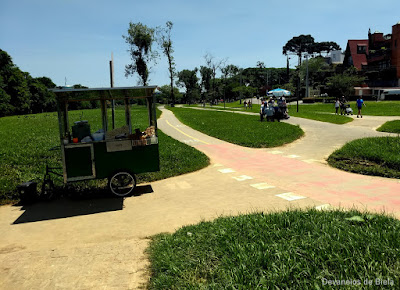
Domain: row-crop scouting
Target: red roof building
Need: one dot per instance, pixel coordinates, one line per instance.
(356, 53)
(377, 58)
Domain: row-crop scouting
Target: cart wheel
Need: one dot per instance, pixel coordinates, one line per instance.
(47, 190)
(122, 183)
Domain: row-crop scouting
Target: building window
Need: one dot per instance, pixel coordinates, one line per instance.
(361, 49)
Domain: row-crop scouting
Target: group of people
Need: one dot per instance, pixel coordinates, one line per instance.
(274, 109)
(248, 104)
(345, 108)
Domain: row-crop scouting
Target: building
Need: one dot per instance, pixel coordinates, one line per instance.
(356, 53)
(337, 57)
(378, 57)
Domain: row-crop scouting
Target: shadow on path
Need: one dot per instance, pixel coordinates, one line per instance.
(77, 205)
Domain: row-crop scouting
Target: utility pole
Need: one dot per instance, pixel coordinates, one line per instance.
(307, 88)
(112, 85)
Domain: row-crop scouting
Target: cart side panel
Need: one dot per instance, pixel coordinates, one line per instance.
(138, 160)
(78, 162)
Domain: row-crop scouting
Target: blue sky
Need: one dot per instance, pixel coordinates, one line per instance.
(74, 39)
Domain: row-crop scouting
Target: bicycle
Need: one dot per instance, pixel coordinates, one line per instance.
(47, 192)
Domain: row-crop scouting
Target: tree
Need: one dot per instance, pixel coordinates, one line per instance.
(260, 64)
(247, 91)
(140, 39)
(20, 93)
(166, 46)
(299, 45)
(18, 90)
(47, 82)
(206, 75)
(189, 80)
(318, 71)
(326, 46)
(343, 84)
(214, 65)
(305, 44)
(165, 94)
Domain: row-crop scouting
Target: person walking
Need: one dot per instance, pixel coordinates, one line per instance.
(343, 102)
(337, 105)
(360, 103)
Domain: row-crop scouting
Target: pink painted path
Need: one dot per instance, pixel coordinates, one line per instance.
(316, 181)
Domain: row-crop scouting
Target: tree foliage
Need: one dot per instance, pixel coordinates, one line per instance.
(20, 93)
(305, 44)
(206, 75)
(343, 84)
(188, 79)
(165, 94)
(140, 39)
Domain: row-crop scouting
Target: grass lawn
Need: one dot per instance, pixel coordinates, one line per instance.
(320, 116)
(318, 113)
(391, 127)
(323, 112)
(371, 156)
(25, 142)
(239, 129)
(285, 250)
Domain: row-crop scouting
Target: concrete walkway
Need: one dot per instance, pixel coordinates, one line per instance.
(99, 243)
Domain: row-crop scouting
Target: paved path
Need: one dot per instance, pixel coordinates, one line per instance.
(300, 167)
(100, 242)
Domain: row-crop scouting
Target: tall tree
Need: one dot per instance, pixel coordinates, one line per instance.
(206, 75)
(166, 46)
(214, 65)
(140, 39)
(299, 45)
(326, 46)
(228, 71)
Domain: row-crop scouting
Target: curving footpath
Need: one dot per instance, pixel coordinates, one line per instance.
(300, 167)
(101, 242)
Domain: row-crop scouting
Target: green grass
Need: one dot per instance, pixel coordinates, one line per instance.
(371, 156)
(313, 112)
(25, 142)
(239, 129)
(323, 112)
(383, 108)
(391, 127)
(285, 250)
(322, 117)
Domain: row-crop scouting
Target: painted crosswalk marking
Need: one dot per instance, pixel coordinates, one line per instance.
(217, 165)
(292, 156)
(311, 160)
(275, 152)
(290, 196)
(262, 186)
(242, 177)
(189, 141)
(324, 207)
(226, 170)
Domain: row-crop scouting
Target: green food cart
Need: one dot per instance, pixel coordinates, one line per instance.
(114, 153)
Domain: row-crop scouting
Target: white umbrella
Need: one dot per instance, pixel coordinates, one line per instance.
(279, 92)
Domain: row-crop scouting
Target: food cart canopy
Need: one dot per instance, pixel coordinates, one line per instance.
(70, 95)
